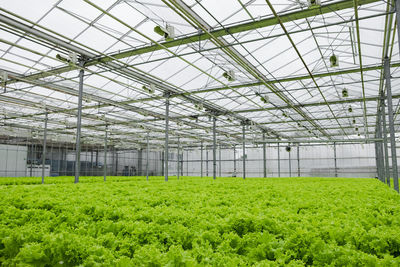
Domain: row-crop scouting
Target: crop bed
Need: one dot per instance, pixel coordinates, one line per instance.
(193, 221)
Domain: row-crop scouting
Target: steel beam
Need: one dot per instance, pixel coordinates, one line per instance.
(244, 150)
(279, 161)
(179, 159)
(147, 158)
(44, 147)
(234, 161)
(166, 136)
(225, 31)
(79, 121)
(391, 122)
(264, 157)
(294, 141)
(380, 156)
(214, 148)
(335, 159)
(290, 163)
(219, 158)
(206, 162)
(105, 154)
(201, 159)
(385, 141)
(298, 160)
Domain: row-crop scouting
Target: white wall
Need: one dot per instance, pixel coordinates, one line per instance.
(13, 161)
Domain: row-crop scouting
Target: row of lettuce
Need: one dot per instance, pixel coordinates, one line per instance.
(228, 222)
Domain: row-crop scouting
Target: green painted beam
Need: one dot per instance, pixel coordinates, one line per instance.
(315, 104)
(292, 79)
(271, 21)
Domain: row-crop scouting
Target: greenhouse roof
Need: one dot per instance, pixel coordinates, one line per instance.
(268, 66)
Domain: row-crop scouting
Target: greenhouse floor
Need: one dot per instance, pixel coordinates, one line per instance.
(192, 221)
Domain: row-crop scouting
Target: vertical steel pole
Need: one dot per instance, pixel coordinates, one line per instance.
(44, 145)
(162, 153)
(379, 133)
(166, 137)
(391, 122)
(112, 159)
(264, 156)
(385, 141)
(201, 159)
(105, 154)
(376, 159)
(279, 161)
(335, 158)
(290, 163)
(220, 173)
(183, 160)
(378, 144)
(178, 160)
(91, 161)
(234, 160)
(298, 160)
(147, 158)
(214, 148)
(116, 162)
(187, 162)
(206, 162)
(244, 151)
(31, 158)
(78, 127)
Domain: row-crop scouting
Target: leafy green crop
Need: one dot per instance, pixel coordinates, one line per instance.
(198, 222)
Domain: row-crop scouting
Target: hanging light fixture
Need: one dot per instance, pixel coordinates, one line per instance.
(314, 4)
(4, 78)
(345, 93)
(229, 75)
(150, 89)
(168, 32)
(334, 61)
(264, 98)
(199, 106)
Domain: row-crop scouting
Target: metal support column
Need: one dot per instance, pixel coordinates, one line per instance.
(44, 145)
(279, 161)
(201, 160)
(187, 162)
(31, 157)
(116, 162)
(290, 163)
(105, 154)
(91, 161)
(147, 158)
(335, 159)
(78, 126)
(166, 137)
(219, 158)
(380, 159)
(385, 141)
(206, 162)
(214, 148)
(244, 151)
(264, 157)
(391, 120)
(298, 160)
(234, 160)
(162, 162)
(177, 175)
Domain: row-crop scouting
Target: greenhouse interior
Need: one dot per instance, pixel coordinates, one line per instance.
(210, 133)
